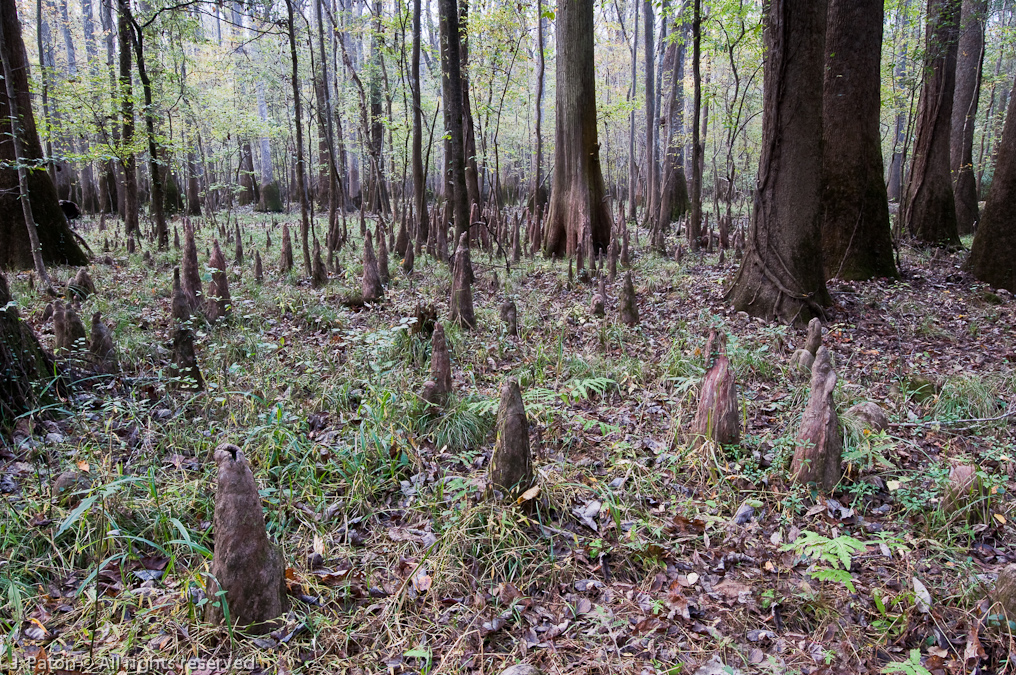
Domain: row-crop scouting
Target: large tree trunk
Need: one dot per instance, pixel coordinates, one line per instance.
(25, 369)
(674, 184)
(578, 209)
(329, 130)
(929, 209)
(969, 59)
(856, 237)
(452, 85)
(781, 276)
(994, 248)
(55, 237)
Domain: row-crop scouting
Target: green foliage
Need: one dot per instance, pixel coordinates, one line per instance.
(912, 666)
(835, 552)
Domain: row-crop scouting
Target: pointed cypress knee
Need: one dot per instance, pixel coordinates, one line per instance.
(629, 305)
(191, 275)
(246, 565)
(436, 389)
(511, 464)
(218, 304)
(819, 445)
(101, 351)
(462, 280)
(286, 257)
(717, 416)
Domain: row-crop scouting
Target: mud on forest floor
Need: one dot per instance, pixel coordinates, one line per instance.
(638, 555)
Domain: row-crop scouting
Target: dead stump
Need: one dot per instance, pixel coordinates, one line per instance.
(246, 565)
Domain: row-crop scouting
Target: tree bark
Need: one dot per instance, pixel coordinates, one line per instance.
(468, 131)
(695, 219)
(452, 80)
(56, 242)
(674, 184)
(781, 276)
(19, 153)
(419, 179)
(994, 248)
(633, 173)
(538, 198)
(929, 208)
(578, 213)
(856, 236)
(969, 60)
(158, 201)
(24, 366)
(650, 56)
(129, 160)
(301, 179)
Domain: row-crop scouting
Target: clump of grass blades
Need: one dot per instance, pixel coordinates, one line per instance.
(464, 422)
(968, 397)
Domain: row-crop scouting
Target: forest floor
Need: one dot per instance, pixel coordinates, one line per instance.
(638, 555)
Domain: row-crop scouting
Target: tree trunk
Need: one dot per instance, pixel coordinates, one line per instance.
(578, 213)
(633, 173)
(158, 200)
(328, 128)
(468, 132)
(929, 208)
(129, 162)
(674, 184)
(781, 276)
(695, 219)
(895, 181)
(969, 59)
(419, 179)
(301, 179)
(649, 56)
(455, 147)
(56, 241)
(538, 198)
(994, 248)
(25, 369)
(17, 136)
(856, 236)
